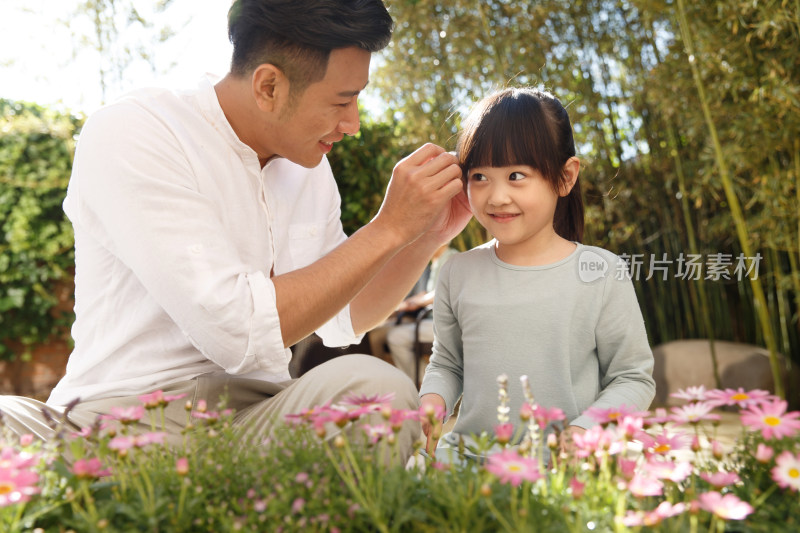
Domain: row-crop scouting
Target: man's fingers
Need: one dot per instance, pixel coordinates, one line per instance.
(423, 154)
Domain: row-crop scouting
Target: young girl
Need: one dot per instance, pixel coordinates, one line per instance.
(533, 301)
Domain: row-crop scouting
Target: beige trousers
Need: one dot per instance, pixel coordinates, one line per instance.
(257, 404)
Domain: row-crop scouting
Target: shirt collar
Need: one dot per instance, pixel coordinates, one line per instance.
(212, 111)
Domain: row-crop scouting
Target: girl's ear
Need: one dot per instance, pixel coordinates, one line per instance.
(570, 173)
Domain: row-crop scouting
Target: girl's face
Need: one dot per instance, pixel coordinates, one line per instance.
(516, 205)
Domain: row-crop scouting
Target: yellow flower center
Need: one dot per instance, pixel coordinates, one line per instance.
(772, 420)
(613, 416)
(514, 468)
(662, 448)
(740, 396)
(794, 473)
(6, 488)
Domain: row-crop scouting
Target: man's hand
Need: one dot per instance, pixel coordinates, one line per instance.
(422, 196)
(452, 219)
(434, 409)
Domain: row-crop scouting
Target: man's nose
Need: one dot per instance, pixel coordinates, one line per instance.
(350, 124)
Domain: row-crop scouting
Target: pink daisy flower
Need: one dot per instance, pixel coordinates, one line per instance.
(691, 394)
(786, 472)
(577, 487)
(670, 470)
(772, 419)
(643, 485)
(693, 413)
(545, 416)
(630, 426)
(126, 415)
(659, 417)
(211, 416)
(740, 397)
(510, 467)
(764, 453)
(17, 486)
(597, 440)
(144, 439)
(306, 415)
(664, 443)
(158, 399)
(89, 469)
(10, 459)
(728, 507)
(504, 432)
(182, 466)
(362, 400)
(432, 413)
(627, 467)
(613, 415)
(656, 516)
(398, 416)
(720, 480)
(377, 432)
(122, 443)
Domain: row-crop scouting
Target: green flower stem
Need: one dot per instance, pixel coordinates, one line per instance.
(499, 516)
(619, 513)
(87, 496)
(351, 475)
(761, 499)
(182, 499)
(693, 523)
(14, 525)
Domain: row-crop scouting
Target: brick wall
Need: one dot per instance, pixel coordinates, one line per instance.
(35, 378)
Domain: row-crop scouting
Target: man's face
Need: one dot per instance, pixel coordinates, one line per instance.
(326, 111)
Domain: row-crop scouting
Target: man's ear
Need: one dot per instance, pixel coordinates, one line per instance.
(270, 86)
(570, 173)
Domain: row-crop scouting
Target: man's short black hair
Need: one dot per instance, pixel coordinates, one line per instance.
(297, 36)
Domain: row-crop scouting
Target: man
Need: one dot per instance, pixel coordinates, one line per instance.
(207, 228)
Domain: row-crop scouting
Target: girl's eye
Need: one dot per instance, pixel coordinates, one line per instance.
(478, 177)
(516, 176)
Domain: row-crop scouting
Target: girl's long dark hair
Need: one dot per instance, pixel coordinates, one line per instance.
(525, 126)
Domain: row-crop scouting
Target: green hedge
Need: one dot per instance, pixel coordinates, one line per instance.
(36, 241)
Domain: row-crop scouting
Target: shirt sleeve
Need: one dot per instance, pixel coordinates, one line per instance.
(445, 373)
(338, 331)
(623, 351)
(134, 191)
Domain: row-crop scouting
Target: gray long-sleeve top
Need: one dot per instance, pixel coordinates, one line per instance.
(573, 327)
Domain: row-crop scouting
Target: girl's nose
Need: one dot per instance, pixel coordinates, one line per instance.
(498, 194)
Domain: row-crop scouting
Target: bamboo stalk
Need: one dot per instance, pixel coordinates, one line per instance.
(733, 203)
(708, 327)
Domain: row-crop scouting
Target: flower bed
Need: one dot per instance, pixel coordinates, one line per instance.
(635, 471)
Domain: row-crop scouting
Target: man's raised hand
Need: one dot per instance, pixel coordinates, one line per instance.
(421, 193)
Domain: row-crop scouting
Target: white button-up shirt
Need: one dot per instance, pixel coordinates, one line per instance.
(177, 228)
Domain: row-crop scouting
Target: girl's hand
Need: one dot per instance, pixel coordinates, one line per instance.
(566, 444)
(433, 406)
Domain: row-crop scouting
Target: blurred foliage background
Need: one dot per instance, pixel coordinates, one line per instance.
(686, 117)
